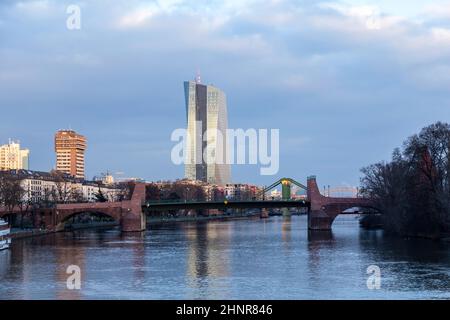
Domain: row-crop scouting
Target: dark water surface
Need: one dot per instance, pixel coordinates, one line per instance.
(274, 258)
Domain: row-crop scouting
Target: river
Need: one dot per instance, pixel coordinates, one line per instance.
(273, 258)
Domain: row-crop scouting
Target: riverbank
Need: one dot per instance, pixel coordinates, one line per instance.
(158, 220)
(91, 225)
(375, 222)
(371, 222)
(28, 233)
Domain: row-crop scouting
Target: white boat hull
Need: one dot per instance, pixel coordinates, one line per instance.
(4, 232)
(4, 244)
(5, 240)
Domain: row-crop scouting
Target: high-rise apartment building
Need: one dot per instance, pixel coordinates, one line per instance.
(70, 147)
(12, 157)
(206, 110)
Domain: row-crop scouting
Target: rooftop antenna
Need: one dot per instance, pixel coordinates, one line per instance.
(198, 78)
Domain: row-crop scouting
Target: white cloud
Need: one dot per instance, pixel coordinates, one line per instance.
(367, 15)
(216, 13)
(138, 17)
(441, 34)
(437, 11)
(33, 5)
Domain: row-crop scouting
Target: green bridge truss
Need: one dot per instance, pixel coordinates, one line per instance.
(286, 184)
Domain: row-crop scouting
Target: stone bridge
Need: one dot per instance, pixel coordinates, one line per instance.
(129, 214)
(323, 210)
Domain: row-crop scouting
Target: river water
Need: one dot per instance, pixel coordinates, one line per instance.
(273, 258)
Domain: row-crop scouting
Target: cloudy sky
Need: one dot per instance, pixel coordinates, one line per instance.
(345, 82)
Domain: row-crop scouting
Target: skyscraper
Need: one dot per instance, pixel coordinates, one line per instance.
(70, 147)
(206, 111)
(12, 157)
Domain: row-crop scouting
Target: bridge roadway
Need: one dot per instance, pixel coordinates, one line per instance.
(192, 205)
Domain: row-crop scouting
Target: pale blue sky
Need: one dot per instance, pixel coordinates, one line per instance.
(344, 81)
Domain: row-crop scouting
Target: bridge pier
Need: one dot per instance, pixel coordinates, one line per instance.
(133, 219)
(320, 220)
(132, 222)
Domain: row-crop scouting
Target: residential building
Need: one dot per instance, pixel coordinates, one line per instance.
(12, 157)
(70, 148)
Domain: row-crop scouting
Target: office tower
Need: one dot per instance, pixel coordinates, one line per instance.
(70, 147)
(12, 157)
(206, 109)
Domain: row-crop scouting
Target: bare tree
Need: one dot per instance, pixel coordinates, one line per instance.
(152, 192)
(125, 191)
(11, 192)
(63, 187)
(76, 195)
(413, 189)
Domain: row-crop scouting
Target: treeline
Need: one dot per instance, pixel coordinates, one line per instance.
(181, 190)
(412, 191)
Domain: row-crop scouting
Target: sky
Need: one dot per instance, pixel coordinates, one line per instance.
(345, 81)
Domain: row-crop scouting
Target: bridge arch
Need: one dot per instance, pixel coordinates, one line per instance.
(66, 212)
(101, 213)
(324, 210)
(6, 216)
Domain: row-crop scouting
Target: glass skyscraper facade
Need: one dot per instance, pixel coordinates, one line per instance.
(206, 110)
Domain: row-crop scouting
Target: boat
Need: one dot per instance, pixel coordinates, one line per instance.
(5, 240)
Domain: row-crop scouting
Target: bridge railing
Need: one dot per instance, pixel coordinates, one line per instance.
(154, 202)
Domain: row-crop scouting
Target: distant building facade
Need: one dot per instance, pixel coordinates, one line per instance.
(12, 157)
(70, 148)
(41, 187)
(206, 109)
(241, 191)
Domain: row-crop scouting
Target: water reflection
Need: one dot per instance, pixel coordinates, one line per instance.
(275, 258)
(207, 256)
(139, 259)
(286, 228)
(5, 262)
(318, 237)
(411, 264)
(64, 259)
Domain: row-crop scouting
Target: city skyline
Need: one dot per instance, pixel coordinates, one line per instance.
(317, 71)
